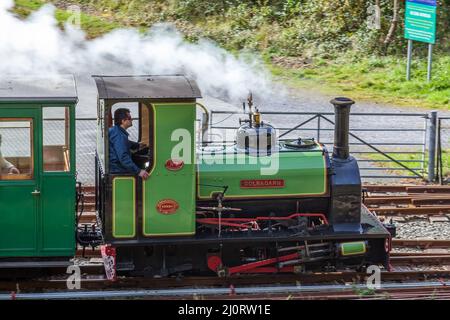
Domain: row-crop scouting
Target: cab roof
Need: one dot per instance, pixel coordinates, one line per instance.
(59, 88)
(151, 87)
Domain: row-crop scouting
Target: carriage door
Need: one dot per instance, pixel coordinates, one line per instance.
(19, 182)
(57, 181)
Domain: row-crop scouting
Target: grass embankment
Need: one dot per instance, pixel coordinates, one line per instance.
(92, 25)
(380, 79)
(357, 74)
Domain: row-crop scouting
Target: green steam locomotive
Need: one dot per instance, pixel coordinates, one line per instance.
(260, 205)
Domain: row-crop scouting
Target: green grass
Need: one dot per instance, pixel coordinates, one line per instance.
(93, 26)
(380, 79)
(409, 157)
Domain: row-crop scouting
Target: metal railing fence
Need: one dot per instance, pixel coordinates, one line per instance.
(387, 145)
(384, 143)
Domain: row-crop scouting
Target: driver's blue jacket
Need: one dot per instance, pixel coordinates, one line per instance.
(119, 151)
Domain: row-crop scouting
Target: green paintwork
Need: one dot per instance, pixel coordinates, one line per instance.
(40, 225)
(18, 208)
(175, 185)
(17, 220)
(304, 173)
(123, 206)
(353, 248)
(57, 211)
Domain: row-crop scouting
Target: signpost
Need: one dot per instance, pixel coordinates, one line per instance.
(420, 25)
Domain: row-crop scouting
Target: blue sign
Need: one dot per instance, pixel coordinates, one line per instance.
(426, 2)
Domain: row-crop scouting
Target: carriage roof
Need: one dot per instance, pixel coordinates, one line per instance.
(60, 88)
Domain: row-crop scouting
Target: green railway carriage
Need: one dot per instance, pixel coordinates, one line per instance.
(37, 128)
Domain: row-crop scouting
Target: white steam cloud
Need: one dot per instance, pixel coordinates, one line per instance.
(36, 45)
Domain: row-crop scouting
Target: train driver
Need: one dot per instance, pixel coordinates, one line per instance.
(120, 147)
(5, 165)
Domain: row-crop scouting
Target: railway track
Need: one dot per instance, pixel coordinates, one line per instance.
(405, 200)
(381, 200)
(97, 281)
(413, 189)
(420, 258)
(340, 285)
(414, 290)
(434, 258)
(421, 243)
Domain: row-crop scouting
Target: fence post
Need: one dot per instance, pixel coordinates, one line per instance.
(432, 146)
(318, 129)
(439, 153)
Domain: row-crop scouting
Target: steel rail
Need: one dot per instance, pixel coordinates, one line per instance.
(406, 187)
(422, 259)
(421, 243)
(429, 210)
(190, 292)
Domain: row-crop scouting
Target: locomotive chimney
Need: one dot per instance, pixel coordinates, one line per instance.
(345, 209)
(341, 127)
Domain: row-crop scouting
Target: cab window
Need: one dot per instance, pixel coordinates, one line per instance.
(139, 131)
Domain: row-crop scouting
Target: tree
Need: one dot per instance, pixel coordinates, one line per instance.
(394, 23)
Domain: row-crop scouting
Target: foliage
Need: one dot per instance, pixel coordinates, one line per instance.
(333, 35)
(279, 27)
(92, 25)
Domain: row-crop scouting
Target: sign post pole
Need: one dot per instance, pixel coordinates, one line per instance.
(430, 61)
(408, 62)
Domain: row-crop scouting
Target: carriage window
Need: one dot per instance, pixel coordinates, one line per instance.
(56, 150)
(16, 149)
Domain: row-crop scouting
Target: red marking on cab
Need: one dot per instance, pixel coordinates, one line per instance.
(174, 165)
(262, 184)
(167, 206)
